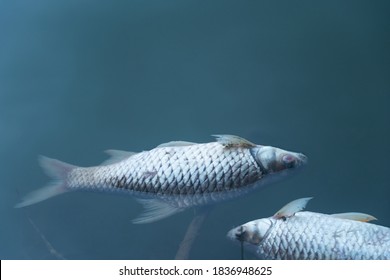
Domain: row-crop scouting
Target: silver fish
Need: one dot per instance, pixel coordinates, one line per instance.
(175, 175)
(293, 235)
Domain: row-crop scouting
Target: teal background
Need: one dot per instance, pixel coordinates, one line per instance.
(80, 77)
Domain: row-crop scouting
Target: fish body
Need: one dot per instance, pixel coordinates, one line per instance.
(315, 236)
(173, 171)
(175, 175)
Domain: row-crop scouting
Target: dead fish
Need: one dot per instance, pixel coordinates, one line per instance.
(174, 176)
(294, 235)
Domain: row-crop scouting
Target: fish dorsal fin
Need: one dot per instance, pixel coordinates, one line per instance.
(230, 141)
(291, 208)
(116, 156)
(355, 216)
(155, 210)
(176, 144)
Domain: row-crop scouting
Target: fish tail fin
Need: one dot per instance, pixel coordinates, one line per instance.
(57, 170)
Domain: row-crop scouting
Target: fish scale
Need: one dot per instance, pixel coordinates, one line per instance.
(177, 172)
(343, 239)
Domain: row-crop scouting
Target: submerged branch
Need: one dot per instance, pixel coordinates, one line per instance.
(191, 234)
(50, 247)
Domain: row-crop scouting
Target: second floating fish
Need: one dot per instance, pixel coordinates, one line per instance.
(294, 235)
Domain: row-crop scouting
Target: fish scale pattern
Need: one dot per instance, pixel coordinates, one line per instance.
(324, 237)
(182, 170)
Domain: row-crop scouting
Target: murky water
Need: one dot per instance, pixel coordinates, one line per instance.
(80, 77)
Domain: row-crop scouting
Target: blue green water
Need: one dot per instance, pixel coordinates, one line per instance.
(80, 77)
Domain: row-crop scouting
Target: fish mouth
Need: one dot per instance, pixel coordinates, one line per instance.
(235, 234)
(302, 159)
(231, 235)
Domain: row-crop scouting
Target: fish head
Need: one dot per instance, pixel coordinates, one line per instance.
(275, 160)
(251, 233)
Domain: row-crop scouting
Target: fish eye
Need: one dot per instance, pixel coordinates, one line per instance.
(288, 160)
(240, 233)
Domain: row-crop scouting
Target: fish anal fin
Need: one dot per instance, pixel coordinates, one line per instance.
(291, 208)
(155, 210)
(355, 216)
(176, 144)
(116, 156)
(230, 141)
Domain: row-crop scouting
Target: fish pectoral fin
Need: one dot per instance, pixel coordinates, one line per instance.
(355, 216)
(230, 141)
(292, 207)
(176, 144)
(116, 156)
(155, 210)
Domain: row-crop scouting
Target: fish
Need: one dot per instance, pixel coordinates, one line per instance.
(293, 234)
(173, 176)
